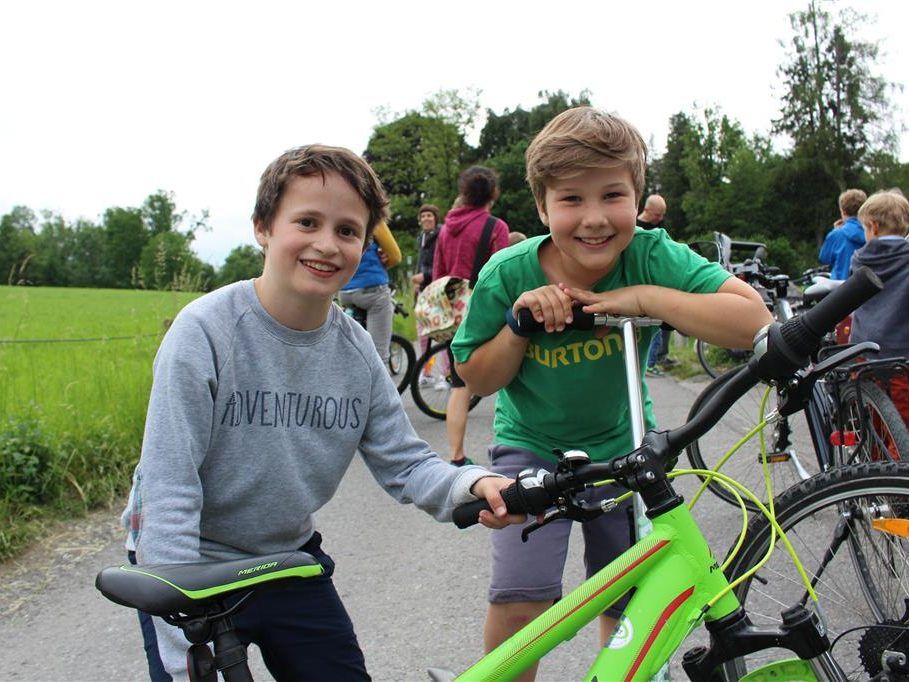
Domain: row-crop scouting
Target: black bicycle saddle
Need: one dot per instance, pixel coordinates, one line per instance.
(165, 589)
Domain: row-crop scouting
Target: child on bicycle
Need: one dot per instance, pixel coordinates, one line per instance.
(885, 218)
(565, 388)
(263, 391)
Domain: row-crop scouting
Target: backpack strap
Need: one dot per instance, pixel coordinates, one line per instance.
(482, 250)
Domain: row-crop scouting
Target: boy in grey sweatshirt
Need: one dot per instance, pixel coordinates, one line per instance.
(263, 391)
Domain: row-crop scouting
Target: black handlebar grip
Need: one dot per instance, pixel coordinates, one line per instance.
(861, 286)
(466, 515)
(579, 320)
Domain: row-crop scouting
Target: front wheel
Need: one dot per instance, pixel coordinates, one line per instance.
(401, 361)
(431, 382)
(848, 526)
(790, 450)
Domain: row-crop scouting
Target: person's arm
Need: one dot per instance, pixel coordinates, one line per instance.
(386, 241)
(169, 488)
(409, 471)
(495, 363)
(728, 318)
(827, 254)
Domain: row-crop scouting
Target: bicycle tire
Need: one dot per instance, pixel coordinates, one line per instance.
(888, 438)
(717, 360)
(431, 394)
(401, 361)
(788, 463)
(863, 584)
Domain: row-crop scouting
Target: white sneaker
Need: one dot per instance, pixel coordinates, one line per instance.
(441, 385)
(425, 380)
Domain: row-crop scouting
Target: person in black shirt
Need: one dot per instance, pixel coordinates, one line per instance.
(651, 218)
(653, 213)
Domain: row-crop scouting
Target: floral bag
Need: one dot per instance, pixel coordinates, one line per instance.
(440, 307)
(442, 303)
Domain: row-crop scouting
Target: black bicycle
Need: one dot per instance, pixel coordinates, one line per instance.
(401, 355)
(431, 382)
(848, 418)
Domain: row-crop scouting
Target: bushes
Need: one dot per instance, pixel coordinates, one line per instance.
(43, 478)
(26, 463)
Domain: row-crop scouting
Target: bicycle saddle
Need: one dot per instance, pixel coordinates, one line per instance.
(165, 589)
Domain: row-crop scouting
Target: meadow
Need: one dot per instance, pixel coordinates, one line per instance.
(75, 373)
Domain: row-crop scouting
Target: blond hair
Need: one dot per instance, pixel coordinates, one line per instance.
(851, 201)
(582, 138)
(889, 209)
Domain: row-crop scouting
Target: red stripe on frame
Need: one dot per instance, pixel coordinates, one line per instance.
(656, 548)
(661, 622)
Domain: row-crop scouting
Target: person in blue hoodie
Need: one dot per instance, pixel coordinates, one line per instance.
(846, 236)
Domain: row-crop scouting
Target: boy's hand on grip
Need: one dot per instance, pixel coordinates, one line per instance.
(489, 488)
(549, 306)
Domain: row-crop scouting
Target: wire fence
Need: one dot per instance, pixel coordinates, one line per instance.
(82, 340)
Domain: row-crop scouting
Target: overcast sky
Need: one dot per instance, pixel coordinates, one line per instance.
(105, 103)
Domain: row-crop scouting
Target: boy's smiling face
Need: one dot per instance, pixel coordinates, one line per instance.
(313, 248)
(591, 218)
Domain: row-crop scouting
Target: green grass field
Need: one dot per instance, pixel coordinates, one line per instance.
(75, 373)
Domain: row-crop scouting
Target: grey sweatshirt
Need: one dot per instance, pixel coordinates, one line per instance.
(883, 318)
(251, 426)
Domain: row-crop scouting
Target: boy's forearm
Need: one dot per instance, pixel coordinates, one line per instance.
(728, 318)
(494, 364)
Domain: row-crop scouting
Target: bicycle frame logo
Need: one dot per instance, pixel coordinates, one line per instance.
(624, 633)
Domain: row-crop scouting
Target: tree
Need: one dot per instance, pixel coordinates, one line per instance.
(670, 178)
(166, 262)
(835, 110)
(159, 212)
(244, 262)
(17, 235)
(126, 236)
(405, 155)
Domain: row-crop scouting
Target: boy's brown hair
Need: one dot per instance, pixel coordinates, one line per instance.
(582, 138)
(478, 185)
(429, 208)
(318, 159)
(889, 209)
(851, 201)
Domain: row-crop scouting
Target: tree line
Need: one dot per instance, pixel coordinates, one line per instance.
(835, 121)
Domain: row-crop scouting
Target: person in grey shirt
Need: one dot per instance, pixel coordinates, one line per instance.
(263, 391)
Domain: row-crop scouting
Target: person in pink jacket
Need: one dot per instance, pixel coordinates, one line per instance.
(456, 250)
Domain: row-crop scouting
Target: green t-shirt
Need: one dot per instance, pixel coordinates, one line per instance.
(570, 391)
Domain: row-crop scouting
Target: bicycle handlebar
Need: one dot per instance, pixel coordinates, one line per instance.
(780, 350)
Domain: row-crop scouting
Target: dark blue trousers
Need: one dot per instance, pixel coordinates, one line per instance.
(301, 628)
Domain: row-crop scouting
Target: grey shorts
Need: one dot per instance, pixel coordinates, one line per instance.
(532, 571)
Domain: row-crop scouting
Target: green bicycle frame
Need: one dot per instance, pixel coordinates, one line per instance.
(674, 574)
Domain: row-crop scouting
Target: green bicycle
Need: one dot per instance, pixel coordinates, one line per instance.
(857, 518)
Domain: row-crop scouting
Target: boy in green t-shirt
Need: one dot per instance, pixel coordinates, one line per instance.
(566, 388)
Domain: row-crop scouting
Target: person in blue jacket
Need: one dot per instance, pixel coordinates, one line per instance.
(846, 237)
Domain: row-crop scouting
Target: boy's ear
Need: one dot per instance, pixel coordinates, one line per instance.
(261, 233)
(541, 210)
(873, 227)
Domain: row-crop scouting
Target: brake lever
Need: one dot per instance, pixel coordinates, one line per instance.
(794, 396)
(584, 511)
(536, 525)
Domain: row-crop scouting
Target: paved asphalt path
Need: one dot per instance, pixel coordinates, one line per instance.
(414, 588)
